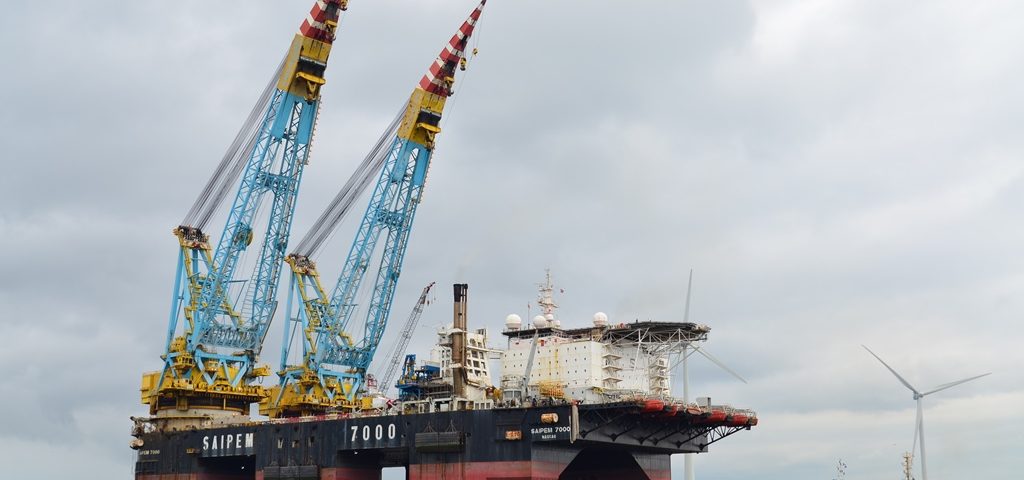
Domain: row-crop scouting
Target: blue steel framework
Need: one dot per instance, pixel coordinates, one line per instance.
(214, 355)
(284, 143)
(334, 366)
(392, 209)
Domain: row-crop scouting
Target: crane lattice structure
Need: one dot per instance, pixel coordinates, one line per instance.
(397, 352)
(333, 364)
(212, 344)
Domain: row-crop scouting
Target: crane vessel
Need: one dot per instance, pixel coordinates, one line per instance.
(567, 405)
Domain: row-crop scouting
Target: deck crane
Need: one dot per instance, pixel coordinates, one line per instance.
(333, 364)
(396, 354)
(212, 343)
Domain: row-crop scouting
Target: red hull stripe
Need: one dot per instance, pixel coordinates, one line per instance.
(525, 470)
(485, 470)
(341, 473)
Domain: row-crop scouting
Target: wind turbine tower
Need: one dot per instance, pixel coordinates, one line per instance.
(683, 362)
(918, 397)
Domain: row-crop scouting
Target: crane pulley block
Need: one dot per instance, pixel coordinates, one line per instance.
(422, 118)
(192, 237)
(301, 263)
(304, 67)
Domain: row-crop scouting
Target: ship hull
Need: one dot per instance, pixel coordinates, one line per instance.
(575, 443)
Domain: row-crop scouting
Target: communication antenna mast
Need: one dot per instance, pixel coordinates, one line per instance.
(840, 470)
(546, 299)
(908, 460)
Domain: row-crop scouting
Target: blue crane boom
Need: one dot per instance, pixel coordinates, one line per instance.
(334, 365)
(210, 357)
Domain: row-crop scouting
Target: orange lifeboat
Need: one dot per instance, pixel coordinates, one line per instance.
(739, 419)
(652, 406)
(717, 415)
(670, 410)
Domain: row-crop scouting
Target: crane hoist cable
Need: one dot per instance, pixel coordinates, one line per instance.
(231, 165)
(361, 178)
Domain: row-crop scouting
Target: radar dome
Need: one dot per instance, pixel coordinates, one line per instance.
(600, 319)
(540, 322)
(513, 322)
(549, 317)
(556, 323)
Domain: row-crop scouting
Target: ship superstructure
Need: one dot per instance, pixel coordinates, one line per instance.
(478, 353)
(545, 362)
(453, 425)
(597, 363)
(430, 386)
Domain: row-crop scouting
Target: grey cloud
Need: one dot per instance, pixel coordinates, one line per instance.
(837, 173)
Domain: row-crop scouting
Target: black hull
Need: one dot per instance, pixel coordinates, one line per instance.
(585, 442)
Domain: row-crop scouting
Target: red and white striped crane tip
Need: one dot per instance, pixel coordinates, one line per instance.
(444, 67)
(315, 26)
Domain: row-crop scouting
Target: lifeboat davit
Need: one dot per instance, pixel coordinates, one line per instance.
(652, 406)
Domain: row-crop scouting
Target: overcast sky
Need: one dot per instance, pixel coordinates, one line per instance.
(837, 173)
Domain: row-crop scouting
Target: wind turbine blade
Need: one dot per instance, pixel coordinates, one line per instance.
(717, 362)
(689, 286)
(681, 357)
(904, 382)
(953, 384)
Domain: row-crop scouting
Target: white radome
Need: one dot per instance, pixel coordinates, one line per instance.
(540, 322)
(513, 322)
(600, 319)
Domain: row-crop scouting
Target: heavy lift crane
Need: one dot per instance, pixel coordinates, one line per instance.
(333, 365)
(212, 345)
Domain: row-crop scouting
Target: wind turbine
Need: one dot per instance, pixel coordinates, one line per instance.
(688, 350)
(918, 396)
